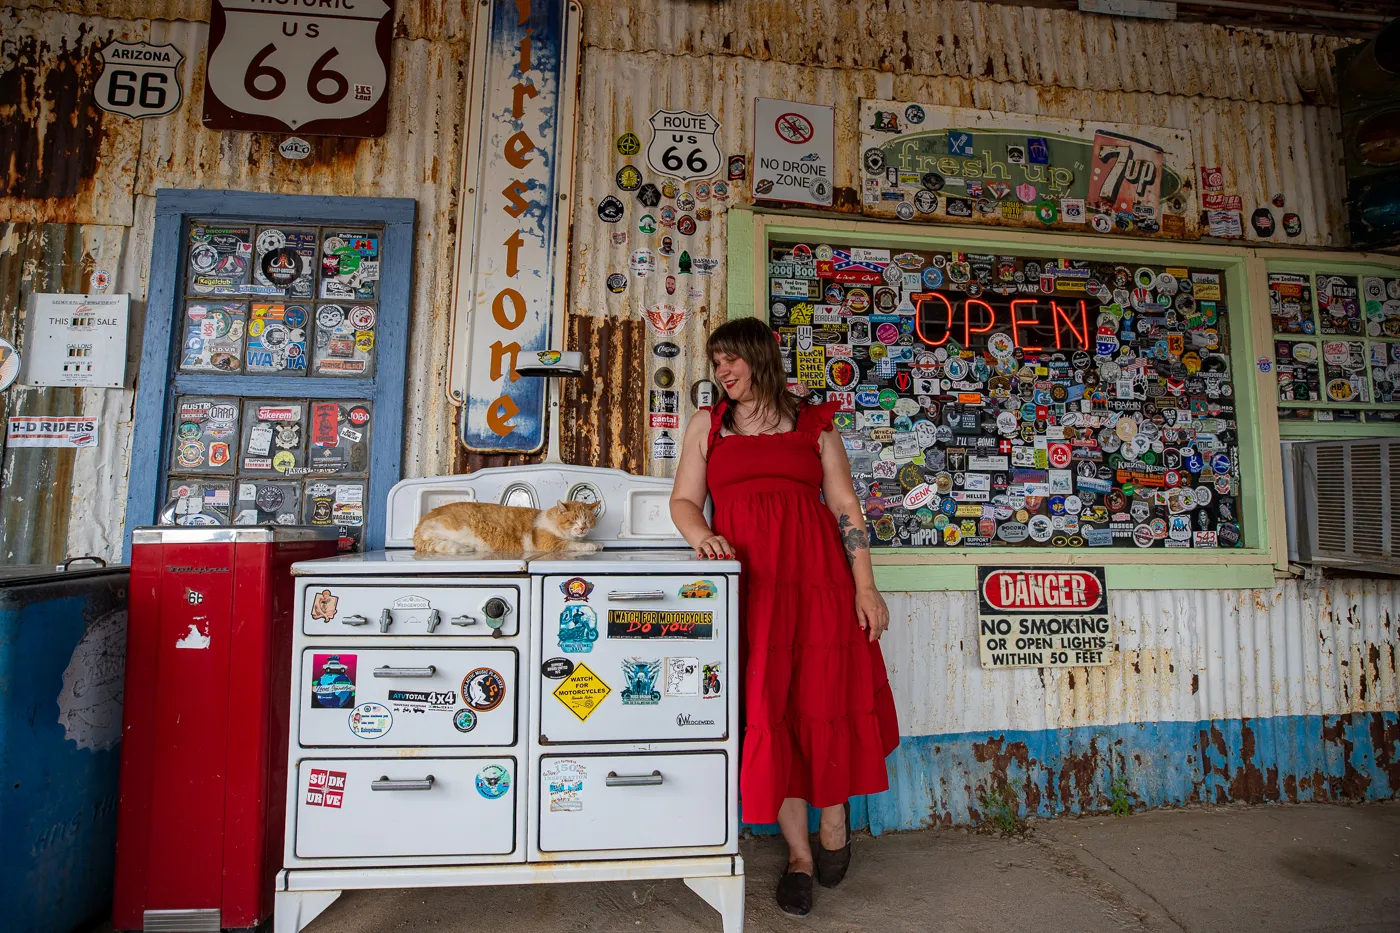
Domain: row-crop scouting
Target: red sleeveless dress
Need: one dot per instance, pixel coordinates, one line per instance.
(819, 715)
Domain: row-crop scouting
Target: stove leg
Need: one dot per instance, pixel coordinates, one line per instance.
(724, 894)
(293, 910)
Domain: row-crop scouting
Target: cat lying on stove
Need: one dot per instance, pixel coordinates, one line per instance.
(468, 527)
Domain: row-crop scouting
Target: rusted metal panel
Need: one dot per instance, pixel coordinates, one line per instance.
(417, 158)
(34, 487)
(1289, 693)
(604, 412)
(62, 160)
(413, 19)
(963, 39)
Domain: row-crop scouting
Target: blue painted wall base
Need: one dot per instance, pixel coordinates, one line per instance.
(942, 779)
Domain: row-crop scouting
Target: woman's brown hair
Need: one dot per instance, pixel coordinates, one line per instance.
(752, 341)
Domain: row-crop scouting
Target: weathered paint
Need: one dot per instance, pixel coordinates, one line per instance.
(1283, 694)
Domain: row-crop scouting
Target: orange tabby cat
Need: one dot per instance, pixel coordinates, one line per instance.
(465, 527)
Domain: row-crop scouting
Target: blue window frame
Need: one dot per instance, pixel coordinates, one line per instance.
(160, 380)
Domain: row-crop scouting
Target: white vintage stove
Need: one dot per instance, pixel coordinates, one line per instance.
(502, 719)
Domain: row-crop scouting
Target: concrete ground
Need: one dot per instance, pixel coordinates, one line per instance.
(1267, 868)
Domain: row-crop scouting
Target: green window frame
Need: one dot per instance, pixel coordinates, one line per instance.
(942, 568)
(1311, 264)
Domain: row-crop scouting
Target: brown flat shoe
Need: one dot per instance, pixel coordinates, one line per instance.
(795, 893)
(832, 863)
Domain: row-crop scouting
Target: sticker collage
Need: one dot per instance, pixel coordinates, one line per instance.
(287, 302)
(1336, 346)
(995, 400)
(657, 223)
(646, 680)
(333, 687)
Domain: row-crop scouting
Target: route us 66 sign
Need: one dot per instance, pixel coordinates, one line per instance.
(683, 144)
(139, 79)
(319, 69)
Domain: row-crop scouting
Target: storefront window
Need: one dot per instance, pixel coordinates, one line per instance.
(276, 363)
(1336, 345)
(1020, 398)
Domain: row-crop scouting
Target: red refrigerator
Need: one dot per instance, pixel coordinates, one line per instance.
(204, 731)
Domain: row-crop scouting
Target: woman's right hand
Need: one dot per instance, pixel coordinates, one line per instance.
(715, 548)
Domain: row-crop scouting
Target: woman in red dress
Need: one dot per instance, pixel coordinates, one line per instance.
(819, 716)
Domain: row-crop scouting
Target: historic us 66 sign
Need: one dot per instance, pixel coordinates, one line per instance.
(319, 68)
(683, 144)
(1043, 617)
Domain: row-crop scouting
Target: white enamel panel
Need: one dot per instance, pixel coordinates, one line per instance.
(596, 803)
(433, 697)
(426, 807)
(684, 698)
(338, 608)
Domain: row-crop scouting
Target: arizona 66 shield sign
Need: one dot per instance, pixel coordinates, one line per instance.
(1043, 617)
(319, 67)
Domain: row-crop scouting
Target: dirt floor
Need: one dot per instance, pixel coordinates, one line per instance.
(1266, 868)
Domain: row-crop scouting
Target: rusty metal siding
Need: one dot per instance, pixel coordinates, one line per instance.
(108, 212)
(964, 39)
(1290, 693)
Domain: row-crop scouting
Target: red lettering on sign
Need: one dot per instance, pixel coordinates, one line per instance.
(919, 300)
(1081, 333)
(1028, 590)
(1017, 321)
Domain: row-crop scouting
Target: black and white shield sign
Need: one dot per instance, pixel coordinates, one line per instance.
(139, 79)
(683, 144)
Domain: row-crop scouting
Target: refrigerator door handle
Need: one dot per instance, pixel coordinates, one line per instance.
(636, 594)
(387, 671)
(633, 780)
(387, 783)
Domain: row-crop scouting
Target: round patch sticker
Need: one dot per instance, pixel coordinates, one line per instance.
(371, 720)
(628, 144)
(464, 720)
(362, 317)
(493, 782)
(359, 416)
(326, 316)
(483, 689)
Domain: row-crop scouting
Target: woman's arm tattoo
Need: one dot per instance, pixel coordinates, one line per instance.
(851, 536)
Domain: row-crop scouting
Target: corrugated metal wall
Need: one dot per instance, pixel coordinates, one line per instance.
(1289, 693)
(1261, 105)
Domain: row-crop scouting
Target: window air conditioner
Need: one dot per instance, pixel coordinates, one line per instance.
(1346, 504)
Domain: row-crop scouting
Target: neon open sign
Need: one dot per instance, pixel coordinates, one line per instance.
(1035, 325)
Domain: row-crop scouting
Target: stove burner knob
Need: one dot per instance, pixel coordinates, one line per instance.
(386, 619)
(434, 617)
(495, 610)
(354, 620)
(463, 620)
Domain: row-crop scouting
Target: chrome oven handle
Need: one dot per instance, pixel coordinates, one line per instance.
(387, 783)
(621, 595)
(387, 671)
(633, 780)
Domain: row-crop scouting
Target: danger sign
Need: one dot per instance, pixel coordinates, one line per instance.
(1043, 617)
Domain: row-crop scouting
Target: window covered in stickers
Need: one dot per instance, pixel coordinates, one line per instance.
(291, 302)
(1336, 344)
(1019, 400)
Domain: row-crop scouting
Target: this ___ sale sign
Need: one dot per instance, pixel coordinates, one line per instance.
(1043, 617)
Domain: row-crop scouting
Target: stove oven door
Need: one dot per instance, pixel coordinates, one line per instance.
(634, 659)
(353, 696)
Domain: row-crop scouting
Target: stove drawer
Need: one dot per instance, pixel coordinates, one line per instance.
(423, 697)
(333, 607)
(634, 659)
(366, 807)
(596, 803)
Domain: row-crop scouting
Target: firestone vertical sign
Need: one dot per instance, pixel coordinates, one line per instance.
(514, 220)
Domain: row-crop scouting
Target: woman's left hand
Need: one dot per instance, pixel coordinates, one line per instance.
(871, 611)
